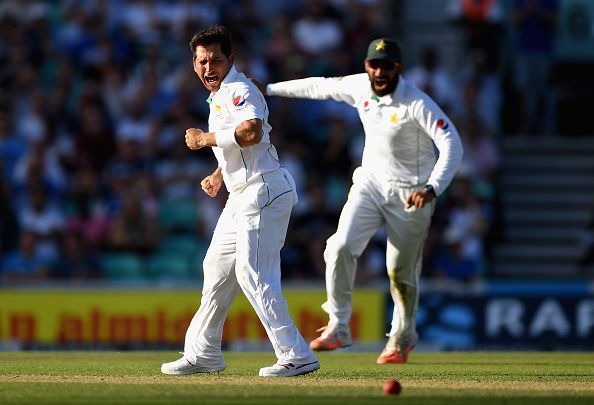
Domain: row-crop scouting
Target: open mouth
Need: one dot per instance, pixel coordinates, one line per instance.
(211, 80)
(380, 82)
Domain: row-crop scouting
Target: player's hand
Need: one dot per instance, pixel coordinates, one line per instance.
(212, 184)
(195, 138)
(261, 86)
(419, 198)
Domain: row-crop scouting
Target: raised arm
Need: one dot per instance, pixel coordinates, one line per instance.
(344, 89)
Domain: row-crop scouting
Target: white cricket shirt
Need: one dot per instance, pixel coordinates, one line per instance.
(238, 100)
(408, 138)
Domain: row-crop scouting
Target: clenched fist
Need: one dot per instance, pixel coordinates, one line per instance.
(419, 198)
(212, 184)
(195, 138)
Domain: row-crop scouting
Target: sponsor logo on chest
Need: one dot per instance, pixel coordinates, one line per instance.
(238, 101)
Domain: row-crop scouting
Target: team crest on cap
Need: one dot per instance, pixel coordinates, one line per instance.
(442, 124)
(380, 46)
(238, 101)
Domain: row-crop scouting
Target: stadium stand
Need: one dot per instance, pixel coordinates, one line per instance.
(95, 97)
(122, 266)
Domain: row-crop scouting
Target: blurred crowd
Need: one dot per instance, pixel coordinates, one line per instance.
(95, 97)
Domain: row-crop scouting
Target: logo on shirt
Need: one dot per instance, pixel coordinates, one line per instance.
(217, 108)
(366, 106)
(442, 124)
(394, 118)
(238, 101)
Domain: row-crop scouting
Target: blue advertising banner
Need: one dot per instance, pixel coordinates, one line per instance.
(508, 317)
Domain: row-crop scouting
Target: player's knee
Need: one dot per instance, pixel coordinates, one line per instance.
(402, 276)
(210, 262)
(337, 246)
(394, 273)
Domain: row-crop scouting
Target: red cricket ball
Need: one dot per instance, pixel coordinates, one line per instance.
(392, 387)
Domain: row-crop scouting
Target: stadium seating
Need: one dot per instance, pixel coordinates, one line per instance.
(178, 215)
(170, 266)
(180, 244)
(122, 266)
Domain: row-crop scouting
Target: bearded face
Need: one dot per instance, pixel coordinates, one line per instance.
(383, 75)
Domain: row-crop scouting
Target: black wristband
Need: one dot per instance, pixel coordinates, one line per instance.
(429, 187)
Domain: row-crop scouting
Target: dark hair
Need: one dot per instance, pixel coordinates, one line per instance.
(217, 34)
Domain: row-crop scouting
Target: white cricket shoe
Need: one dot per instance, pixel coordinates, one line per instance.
(183, 366)
(289, 369)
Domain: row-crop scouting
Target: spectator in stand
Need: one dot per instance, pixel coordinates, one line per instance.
(481, 94)
(76, 261)
(535, 23)
(45, 220)
(125, 172)
(40, 164)
(137, 124)
(140, 20)
(245, 17)
(94, 140)
(481, 21)
(149, 85)
(481, 153)
(112, 90)
(362, 20)
(468, 219)
(132, 229)
(177, 171)
(12, 147)
(89, 220)
(450, 261)
(280, 47)
(304, 250)
(31, 119)
(25, 264)
(430, 77)
(316, 33)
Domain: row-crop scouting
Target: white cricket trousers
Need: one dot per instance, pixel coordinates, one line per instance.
(244, 254)
(369, 206)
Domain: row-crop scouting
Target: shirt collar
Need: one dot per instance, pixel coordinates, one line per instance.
(396, 95)
(230, 78)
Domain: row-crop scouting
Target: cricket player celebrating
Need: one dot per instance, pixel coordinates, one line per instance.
(244, 253)
(411, 154)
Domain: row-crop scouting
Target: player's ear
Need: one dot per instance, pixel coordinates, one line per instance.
(194, 62)
(231, 58)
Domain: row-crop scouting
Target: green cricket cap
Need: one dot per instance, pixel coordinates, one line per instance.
(383, 48)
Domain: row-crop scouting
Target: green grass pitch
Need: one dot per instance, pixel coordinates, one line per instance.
(345, 378)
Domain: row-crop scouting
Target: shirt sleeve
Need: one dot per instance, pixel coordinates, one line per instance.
(445, 136)
(343, 89)
(246, 103)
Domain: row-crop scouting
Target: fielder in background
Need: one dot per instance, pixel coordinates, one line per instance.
(244, 253)
(411, 153)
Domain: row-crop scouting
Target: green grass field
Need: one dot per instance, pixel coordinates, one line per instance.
(345, 378)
